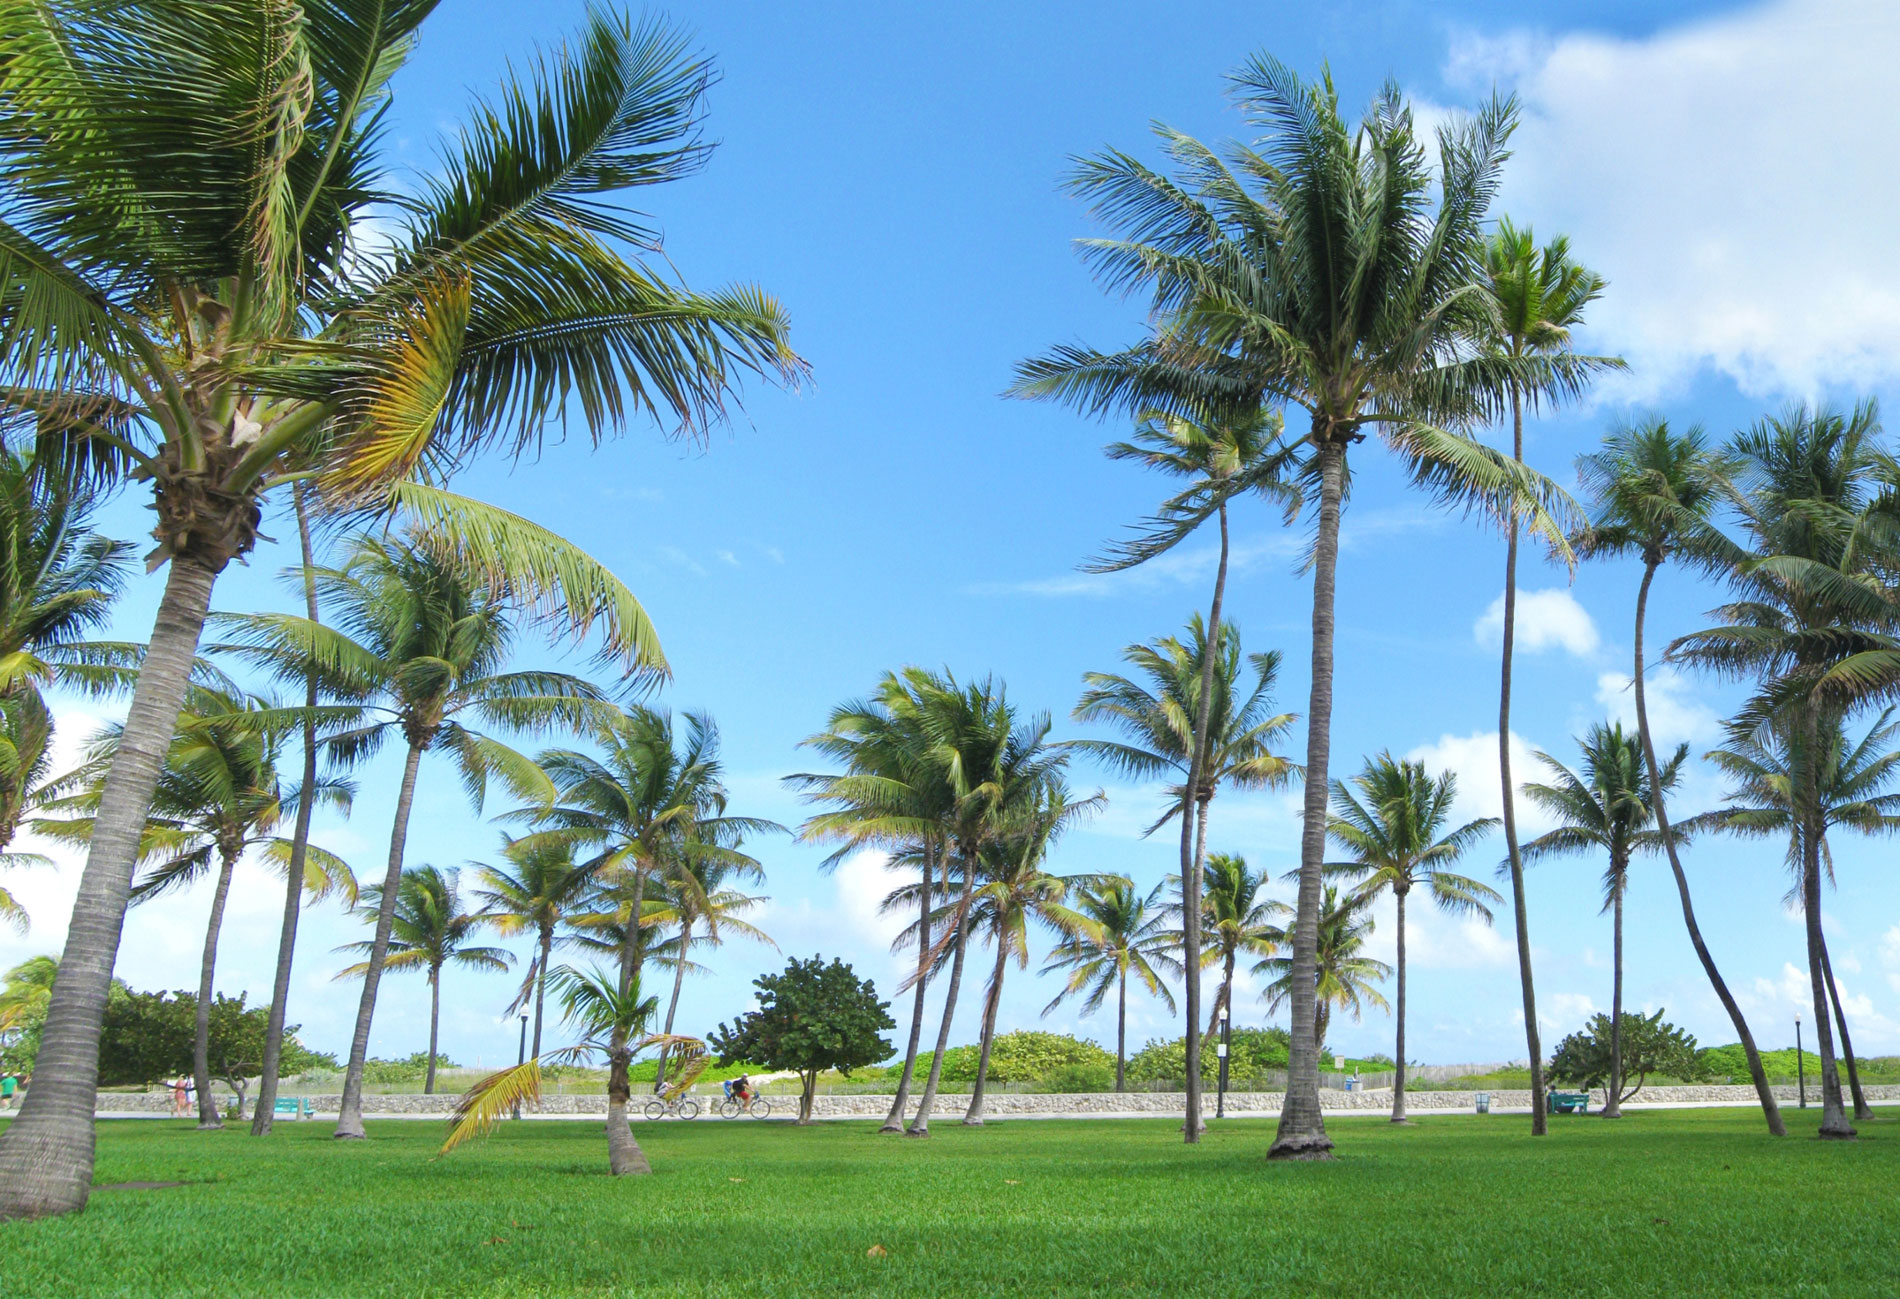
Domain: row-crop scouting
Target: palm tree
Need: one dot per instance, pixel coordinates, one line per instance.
(217, 797)
(416, 649)
(706, 899)
(1653, 492)
(1239, 919)
(651, 803)
(1394, 829)
(26, 991)
(1849, 792)
(1335, 284)
(1344, 977)
(892, 796)
(1121, 935)
(1538, 294)
(1812, 623)
(536, 887)
(430, 928)
(184, 302)
(1017, 887)
(1606, 809)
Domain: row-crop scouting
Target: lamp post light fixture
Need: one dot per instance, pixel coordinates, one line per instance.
(1220, 1098)
(1800, 1064)
(521, 1056)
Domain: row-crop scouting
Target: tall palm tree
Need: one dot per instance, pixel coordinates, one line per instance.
(705, 909)
(891, 796)
(1391, 819)
(430, 929)
(1318, 272)
(1812, 622)
(536, 887)
(1121, 935)
(1606, 808)
(1191, 705)
(1239, 919)
(416, 649)
(1018, 887)
(182, 301)
(218, 796)
(653, 802)
(1539, 295)
(1345, 976)
(1851, 792)
(1653, 495)
(24, 994)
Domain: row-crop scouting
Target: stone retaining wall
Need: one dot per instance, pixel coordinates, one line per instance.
(1002, 1105)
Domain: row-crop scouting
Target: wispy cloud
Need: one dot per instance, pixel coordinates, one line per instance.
(650, 495)
(726, 557)
(674, 555)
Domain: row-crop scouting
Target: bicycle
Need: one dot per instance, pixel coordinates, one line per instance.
(731, 1108)
(680, 1107)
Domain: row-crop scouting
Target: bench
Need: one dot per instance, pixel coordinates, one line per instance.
(297, 1107)
(1570, 1102)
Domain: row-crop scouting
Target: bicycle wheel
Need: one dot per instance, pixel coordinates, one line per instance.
(761, 1108)
(656, 1109)
(689, 1109)
(729, 1108)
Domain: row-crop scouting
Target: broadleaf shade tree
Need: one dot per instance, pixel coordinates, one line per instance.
(1331, 268)
(812, 1017)
(182, 300)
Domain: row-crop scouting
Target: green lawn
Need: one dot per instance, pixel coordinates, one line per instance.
(1686, 1202)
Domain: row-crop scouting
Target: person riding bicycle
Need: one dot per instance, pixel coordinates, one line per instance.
(739, 1089)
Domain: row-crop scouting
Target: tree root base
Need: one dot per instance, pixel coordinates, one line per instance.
(1301, 1148)
(922, 1134)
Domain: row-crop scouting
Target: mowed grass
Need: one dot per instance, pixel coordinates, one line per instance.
(1683, 1202)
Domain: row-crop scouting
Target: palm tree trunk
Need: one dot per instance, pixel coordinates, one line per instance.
(1613, 1103)
(208, 1116)
(46, 1153)
(1398, 1080)
(894, 1121)
(299, 849)
(1302, 1130)
(1771, 1110)
(1121, 1034)
(1224, 999)
(624, 1156)
(541, 985)
(1834, 1124)
(1191, 850)
(349, 1119)
(633, 951)
(1863, 1112)
(673, 1005)
(435, 1020)
(973, 1117)
(920, 1125)
(1540, 1121)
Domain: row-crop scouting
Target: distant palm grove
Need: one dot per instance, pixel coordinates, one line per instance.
(217, 296)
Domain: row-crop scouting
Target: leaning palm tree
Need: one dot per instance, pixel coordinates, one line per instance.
(611, 1016)
(1189, 721)
(1813, 624)
(1538, 295)
(1240, 919)
(1606, 808)
(1345, 975)
(430, 929)
(1653, 494)
(705, 909)
(183, 302)
(217, 797)
(1391, 819)
(1319, 273)
(534, 889)
(416, 649)
(1121, 934)
(1852, 790)
(1017, 887)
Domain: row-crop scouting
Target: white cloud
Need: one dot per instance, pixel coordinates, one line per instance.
(726, 557)
(1474, 760)
(1675, 714)
(1564, 1012)
(1727, 177)
(683, 560)
(1545, 620)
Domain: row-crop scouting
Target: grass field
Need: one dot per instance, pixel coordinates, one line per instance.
(1676, 1203)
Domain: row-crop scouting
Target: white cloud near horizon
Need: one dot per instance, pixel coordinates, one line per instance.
(1550, 619)
(1726, 177)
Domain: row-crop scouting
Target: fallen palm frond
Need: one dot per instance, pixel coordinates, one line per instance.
(482, 1106)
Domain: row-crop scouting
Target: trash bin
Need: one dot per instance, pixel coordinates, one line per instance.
(1484, 1102)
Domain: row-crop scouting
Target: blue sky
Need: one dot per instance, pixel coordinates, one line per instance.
(892, 174)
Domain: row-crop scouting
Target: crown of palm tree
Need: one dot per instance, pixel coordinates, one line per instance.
(1607, 806)
(1653, 493)
(431, 928)
(1236, 915)
(1391, 818)
(1345, 977)
(1121, 934)
(1538, 294)
(1018, 887)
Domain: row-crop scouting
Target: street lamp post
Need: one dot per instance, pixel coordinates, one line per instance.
(1220, 1101)
(1800, 1064)
(521, 1056)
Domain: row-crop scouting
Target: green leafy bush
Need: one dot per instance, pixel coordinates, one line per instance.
(1651, 1046)
(1071, 1078)
(1253, 1051)
(1026, 1056)
(410, 1069)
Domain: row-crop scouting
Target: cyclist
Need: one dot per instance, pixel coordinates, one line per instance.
(739, 1089)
